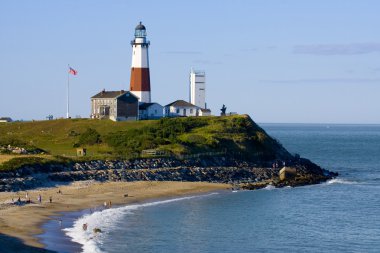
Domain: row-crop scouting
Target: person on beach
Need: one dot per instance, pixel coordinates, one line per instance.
(26, 195)
(109, 204)
(51, 199)
(39, 198)
(105, 204)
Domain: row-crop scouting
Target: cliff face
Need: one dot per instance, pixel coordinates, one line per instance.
(230, 149)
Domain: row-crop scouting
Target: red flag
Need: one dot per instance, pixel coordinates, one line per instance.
(73, 71)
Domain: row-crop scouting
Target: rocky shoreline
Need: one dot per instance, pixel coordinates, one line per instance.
(242, 174)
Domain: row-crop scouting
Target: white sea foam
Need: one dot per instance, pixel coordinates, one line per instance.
(340, 181)
(106, 220)
(269, 187)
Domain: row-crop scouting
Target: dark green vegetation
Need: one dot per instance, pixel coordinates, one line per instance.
(89, 137)
(237, 135)
(20, 161)
(233, 135)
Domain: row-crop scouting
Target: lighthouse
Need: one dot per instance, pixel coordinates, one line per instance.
(140, 78)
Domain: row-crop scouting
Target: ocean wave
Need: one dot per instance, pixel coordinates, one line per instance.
(106, 220)
(340, 181)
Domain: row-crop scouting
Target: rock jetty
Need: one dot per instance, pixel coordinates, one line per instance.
(211, 169)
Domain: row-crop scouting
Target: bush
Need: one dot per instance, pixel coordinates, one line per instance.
(165, 132)
(18, 162)
(129, 142)
(89, 137)
(72, 133)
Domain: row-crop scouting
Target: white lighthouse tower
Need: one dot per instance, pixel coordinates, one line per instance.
(140, 77)
(198, 88)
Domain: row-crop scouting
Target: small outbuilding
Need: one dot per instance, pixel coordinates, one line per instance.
(287, 173)
(81, 152)
(5, 119)
(115, 105)
(204, 112)
(150, 111)
(181, 108)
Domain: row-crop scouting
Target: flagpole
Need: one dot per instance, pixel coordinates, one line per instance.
(68, 93)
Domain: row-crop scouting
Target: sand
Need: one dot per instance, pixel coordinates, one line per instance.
(24, 222)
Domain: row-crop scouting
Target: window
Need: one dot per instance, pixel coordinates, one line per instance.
(177, 111)
(105, 110)
(191, 111)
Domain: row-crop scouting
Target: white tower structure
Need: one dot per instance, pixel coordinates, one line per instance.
(140, 77)
(198, 88)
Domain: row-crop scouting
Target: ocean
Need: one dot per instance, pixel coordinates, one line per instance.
(341, 215)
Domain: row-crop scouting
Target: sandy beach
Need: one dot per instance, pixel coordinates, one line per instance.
(23, 221)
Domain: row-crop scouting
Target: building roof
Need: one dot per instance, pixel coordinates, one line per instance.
(144, 106)
(140, 26)
(110, 94)
(8, 119)
(181, 103)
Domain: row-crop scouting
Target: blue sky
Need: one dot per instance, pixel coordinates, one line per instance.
(277, 60)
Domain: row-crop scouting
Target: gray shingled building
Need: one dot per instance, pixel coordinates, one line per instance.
(115, 105)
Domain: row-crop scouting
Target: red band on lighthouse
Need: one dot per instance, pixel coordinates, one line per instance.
(140, 79)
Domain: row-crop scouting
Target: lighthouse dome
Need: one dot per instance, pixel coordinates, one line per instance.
(140, 31)
(140, 26)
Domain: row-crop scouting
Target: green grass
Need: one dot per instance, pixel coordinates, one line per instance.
(234, 134)
(54, 136)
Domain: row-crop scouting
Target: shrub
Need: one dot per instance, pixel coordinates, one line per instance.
(18, 162)
(89, 137)
(72, 133)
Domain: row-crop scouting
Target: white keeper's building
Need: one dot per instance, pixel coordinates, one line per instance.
(181, 108)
